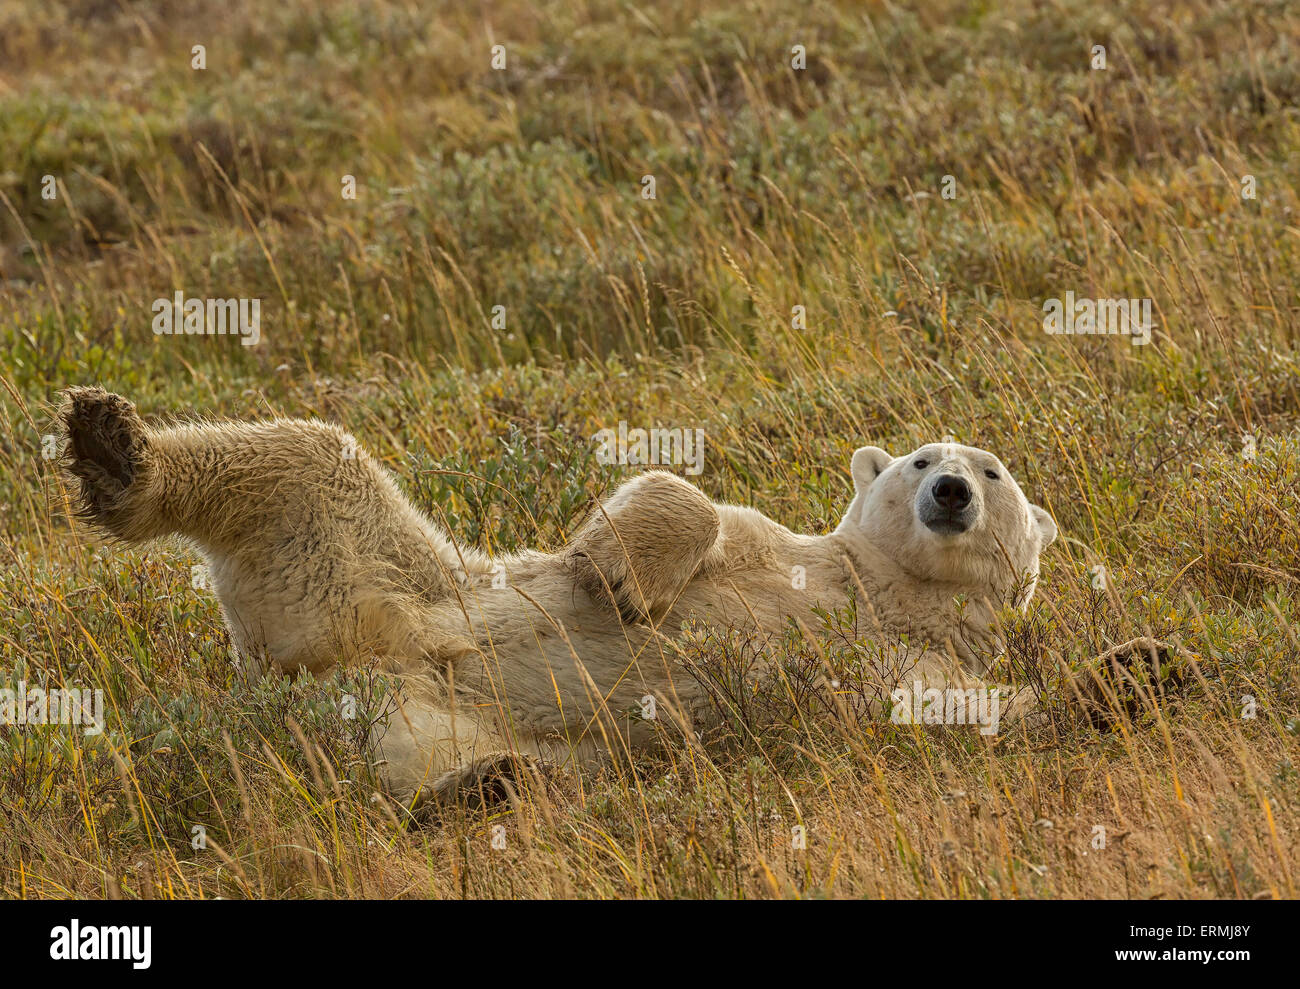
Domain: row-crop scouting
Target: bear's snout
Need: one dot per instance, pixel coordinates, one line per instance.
(951, 492)
(946, 505)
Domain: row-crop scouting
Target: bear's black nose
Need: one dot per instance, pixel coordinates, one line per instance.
(951, 492)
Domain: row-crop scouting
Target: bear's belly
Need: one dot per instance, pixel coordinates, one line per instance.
(553, 657)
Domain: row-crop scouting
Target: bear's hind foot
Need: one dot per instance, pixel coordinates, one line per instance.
(491, 780)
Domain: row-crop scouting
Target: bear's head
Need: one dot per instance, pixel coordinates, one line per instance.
(949, 513)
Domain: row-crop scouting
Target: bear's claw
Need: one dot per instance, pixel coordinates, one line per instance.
(496, 778)
(1119, 680)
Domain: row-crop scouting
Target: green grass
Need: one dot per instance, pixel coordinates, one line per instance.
(775, 188)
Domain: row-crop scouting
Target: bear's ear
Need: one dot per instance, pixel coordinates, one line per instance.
(1043, 525)
(868, 463)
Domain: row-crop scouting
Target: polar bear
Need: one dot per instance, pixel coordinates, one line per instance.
(317, 558)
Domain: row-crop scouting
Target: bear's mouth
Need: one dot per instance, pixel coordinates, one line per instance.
(947, 526)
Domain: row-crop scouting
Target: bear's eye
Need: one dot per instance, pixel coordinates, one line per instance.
(992, 475)
(921, 464)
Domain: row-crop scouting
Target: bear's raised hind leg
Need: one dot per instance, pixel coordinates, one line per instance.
(313, 550)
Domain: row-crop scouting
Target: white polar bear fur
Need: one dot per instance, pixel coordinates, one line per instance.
(317, 559)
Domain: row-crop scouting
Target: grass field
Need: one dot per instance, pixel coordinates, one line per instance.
(933, 174)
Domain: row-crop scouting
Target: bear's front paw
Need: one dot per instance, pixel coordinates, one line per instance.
(614, 585)
(1125, 680)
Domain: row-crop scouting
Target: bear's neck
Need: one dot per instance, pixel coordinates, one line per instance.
(943, 612)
